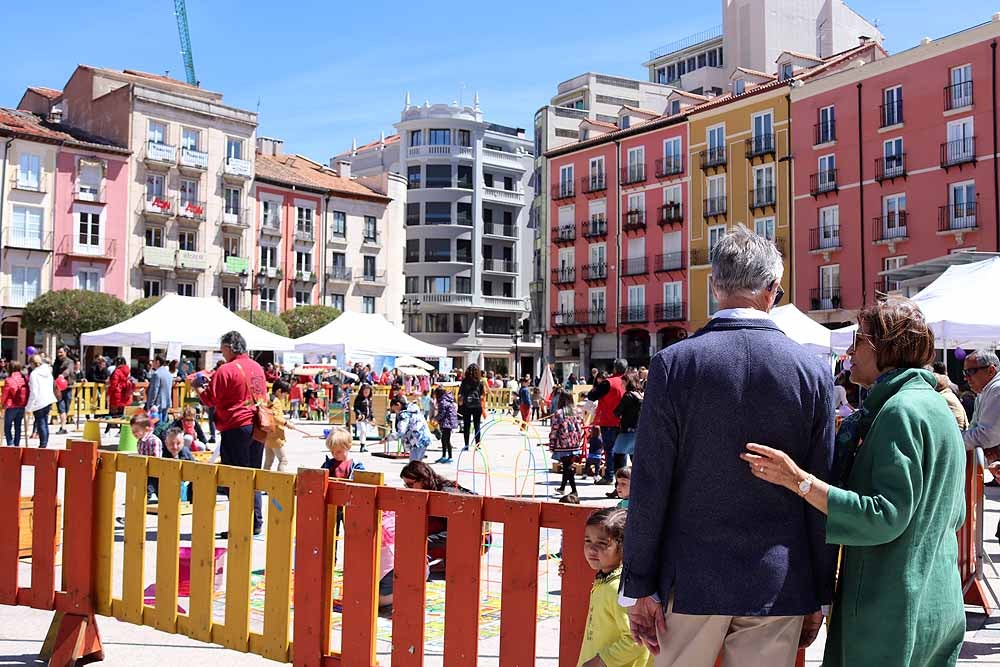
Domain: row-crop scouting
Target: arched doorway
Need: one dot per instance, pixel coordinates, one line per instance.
(667, 336)
(635, 345)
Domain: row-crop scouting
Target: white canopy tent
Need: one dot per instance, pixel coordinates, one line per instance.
(193, 323)
(962, 306)
(354, 335)
(803, 329)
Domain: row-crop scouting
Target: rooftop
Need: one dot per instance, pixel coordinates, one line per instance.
(50, 93)
(26, 125)
(292, 169)
(713, 33)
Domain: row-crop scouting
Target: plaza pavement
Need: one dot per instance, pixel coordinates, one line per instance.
(22, 629)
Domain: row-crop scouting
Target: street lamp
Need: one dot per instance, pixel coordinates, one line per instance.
(260, 282)
(517, 332)
(410, 306)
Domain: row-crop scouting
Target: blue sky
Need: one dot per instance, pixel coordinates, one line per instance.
(326, 72)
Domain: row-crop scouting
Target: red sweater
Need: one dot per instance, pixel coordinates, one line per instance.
(605, 413)
(229, 394)
(15, 391)
(120, 388)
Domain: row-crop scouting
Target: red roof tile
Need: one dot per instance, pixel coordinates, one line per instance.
(298, 170)
(49, 93)
(24, 124)
(753, 72)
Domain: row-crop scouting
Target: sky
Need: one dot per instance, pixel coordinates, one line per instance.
(324, 73)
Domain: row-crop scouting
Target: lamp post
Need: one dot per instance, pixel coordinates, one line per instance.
(410, 306)
(260, 282)
(517, 332)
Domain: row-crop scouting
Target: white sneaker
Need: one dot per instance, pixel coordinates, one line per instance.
(558, 494)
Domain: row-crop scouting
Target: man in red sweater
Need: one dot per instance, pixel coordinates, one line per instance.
(608, 394)
(232, 391)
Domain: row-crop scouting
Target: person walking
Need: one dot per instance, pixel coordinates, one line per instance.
(895, 505)
(608, 394)
(717, 563)
(41, 396)
(233, 390)
(14, 399)
(471, 394)
(161, 388)
(627, 411)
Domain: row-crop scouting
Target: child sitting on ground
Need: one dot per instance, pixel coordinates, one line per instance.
(623, 483)
(339, 464)
(174, 447)
(147, 444)
(608, 639)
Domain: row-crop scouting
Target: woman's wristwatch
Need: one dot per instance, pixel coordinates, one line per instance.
(806, 485)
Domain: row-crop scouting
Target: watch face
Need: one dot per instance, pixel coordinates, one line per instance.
(805, 485)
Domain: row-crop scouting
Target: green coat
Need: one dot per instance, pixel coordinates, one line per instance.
(899, 601)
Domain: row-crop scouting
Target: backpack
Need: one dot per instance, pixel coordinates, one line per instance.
(474, 399)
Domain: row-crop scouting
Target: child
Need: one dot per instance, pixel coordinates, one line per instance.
(295, 399)
(339, 464)
(364, 414)
(536, 403)
(426, 403)
(608, 639)
(564, 437)
(447, 419)
(147, 444)
(524, 401)
(174, 447)
(411, 428)
(623, 482)
(274, 446)
(595, 454)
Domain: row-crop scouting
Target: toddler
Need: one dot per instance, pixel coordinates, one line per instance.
(147, 444)
(274, 446)
(339, 464)
(623, 482)
(174, 447)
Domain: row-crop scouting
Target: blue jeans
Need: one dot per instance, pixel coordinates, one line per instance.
(608, 435)
(42, 425)
(13, 419)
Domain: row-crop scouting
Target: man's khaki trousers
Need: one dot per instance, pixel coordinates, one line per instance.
(742, 641)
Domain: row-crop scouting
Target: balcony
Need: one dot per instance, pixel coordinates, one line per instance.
(593, 229)
(190, 260)
(634, 266)
(304, 276)
(671, 213)
(825, 298)
(595, 271)
(890, 168)
(579, 318)
(237, 169)
(374, 279)
(634, 173)
(499, 265)
(761, 198)
(304, 235)
(635, 220)
(502, 303)
(505, 196)
(95, 194)
(890, 228)
(760, 145)
(498, 158)
(191, 211)
(672, 165)
(159, 207)
(233, 265)
(439, 150)
(671, 261)
(823, 182)
(958, 152)
(271, 227)
(339, 274)
(71, 246)
(713, 158)
(633, 314)
(562, 234)
(891, 114)
(448, 299)
(824, 133)
(824, 239)
(159, 258)
(272, 272)
(958, 96)
(19, 296)
(563, 275)
(160, 155)
(701, 257)
(593, 183)
(336, 237)
(671, 311)
(235, 220)
(714, 206)
(502, 229)
(23, 239)
(958, 218)
(563, 191)
(193, 160)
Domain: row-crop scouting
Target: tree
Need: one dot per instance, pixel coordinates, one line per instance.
(74, 312)
(303, 320)
(265, 321)
(140, 305)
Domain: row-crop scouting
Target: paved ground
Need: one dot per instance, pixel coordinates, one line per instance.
(22, 629)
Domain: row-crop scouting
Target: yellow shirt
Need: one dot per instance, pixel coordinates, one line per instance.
(276, 438)
(607, 632)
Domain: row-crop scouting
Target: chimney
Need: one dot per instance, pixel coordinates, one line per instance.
(863, 39)
(55, 115)
(343, 167)
(270, 146)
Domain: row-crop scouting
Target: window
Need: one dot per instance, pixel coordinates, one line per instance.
(894, 216)
(636, 164)
(715, 234)
(597, 301)
(827, 172)
(271, 212)
(187, 241)
(303, 261)
(412, 215)
(88, 279)
(156, 132)
(713, 58)
(597, 173)
(829, 227)
(438, 322)
(465, 176)
(463, 250)
(661, 75)
(234, 148)
(623, 122)
(269, 300)
(232, 196)
(787, 71)
(437, 213)
(961, 141)
(231, 246)
(692, 64)
(88, 180)
(672, 300)
(437, 285)
(675, 107)
(412, 250)
(464, 214)
(892, 106)
(739, 86)
(764, 227)
(189, 192)
(368, 305)
(962, 205)
(154, 237)
(152, 287)
(508, 183)
(717, 138)
(337, 301)
(368, 267)
(28, 226)
(637, 207)
(892, 157)
(716, 188)
(960, 90)
(465, 138)
(463, 285)
(672, 244)
(702, 60)
(763, 183)
(829, 287)
(302, 297)
(439, 137)
(185, 289)
(29, 176)
(672, 161)
(671, 73)
(438, 175)
(190, 139)
(154, 187)
(88, 230)
(763, 132)
(488, 179)
(413, 178)
(268, 257)
(416, 137)
(437, 250)
(231, 298)
(891, 264)
(304, 220)
(681, 68)
(339, 227)
(462, 323)
(566, 180)
(827, 129)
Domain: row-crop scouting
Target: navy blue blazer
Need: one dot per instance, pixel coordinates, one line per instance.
(701, 527)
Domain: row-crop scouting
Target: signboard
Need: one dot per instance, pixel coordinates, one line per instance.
(236, 264)
(445, 365)
(192, 210)
(159, 257)
(291, 359)
(189, 259)
(173, 351)
(161, 152)
(238, 167)
(193, 158)
(383, 361)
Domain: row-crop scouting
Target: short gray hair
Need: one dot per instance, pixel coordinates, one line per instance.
(235, 341)
(987, 356)
(745, 262)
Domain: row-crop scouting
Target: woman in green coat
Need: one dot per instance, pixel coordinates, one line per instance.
(896, 505)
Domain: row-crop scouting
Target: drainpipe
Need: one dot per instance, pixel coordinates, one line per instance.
(3, 189)
(618, 253)
(996, 167)
(861, 199)
(791, 203)
(322, 247)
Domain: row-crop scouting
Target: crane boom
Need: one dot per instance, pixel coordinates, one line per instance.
(180, 10)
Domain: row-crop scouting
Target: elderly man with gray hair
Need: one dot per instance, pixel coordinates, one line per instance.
(980, 371)
(717, 563)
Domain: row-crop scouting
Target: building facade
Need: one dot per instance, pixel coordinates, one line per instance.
(468, 248)
(895, 172)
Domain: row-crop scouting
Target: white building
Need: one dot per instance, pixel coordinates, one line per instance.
(468, 246)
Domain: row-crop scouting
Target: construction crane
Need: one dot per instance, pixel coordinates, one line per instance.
(180, 10)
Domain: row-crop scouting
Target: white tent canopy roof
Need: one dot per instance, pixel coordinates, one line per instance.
(194, 323)
(803, 329)
(364, 335)
(962, 306)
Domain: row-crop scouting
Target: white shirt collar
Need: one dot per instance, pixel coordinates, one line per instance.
(742, 314)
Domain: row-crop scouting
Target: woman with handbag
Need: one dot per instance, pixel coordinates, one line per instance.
(238, 392)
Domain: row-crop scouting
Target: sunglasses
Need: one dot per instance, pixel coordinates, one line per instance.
(779, 296)
(969, 372)
(858, 334)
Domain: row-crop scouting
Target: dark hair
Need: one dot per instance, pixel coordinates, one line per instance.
(235, 341)
(159, 359)
(570, 499)
(439, 392)
(612, 522)
(398, 400)
(281, 385)
(119, 361)
(14, 365)
(939, 368)
(621, 365)
(140, 419)
(474, 373)
(898, 332)
(419, 471)
(365, 385)
(632, 381)
(173, 432)
(624, 472)
(561, 399)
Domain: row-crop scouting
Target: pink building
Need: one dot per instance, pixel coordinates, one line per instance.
(618, 241)
(894, 167)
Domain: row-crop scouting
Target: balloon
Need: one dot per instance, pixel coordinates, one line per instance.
(31, 350)
(960, 354)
